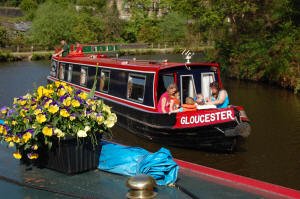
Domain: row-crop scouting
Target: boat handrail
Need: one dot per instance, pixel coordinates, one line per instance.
(140, 60)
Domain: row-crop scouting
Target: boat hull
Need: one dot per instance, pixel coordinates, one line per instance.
(159, 128)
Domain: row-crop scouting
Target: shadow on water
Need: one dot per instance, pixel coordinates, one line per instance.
(270, 153)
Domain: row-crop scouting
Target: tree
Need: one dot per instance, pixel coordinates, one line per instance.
(172, 27)
(53, 22)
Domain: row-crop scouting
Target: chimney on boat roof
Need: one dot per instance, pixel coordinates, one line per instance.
(188, 55)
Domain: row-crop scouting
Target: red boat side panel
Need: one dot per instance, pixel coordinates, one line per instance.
(242, 183)
(204, 117)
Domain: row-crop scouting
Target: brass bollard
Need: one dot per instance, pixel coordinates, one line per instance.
(141, 187)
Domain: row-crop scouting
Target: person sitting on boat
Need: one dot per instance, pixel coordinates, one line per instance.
(219, 96)
(199, 99)
(164, 101)
(175, 101)
(64, 51)
(78, 50)
(189, 105)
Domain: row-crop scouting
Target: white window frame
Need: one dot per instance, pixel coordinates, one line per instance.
(181, 95)
(202, 81)
(70, 73)
(108, 84)
(137, 75)
(86, 76)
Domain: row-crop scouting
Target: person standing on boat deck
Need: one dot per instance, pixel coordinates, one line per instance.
(164, 101)
(64, 51)
(219, 96)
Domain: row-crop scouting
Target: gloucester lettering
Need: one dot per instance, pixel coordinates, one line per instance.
(207, 118)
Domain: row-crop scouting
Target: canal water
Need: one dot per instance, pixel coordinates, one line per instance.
(271, 153)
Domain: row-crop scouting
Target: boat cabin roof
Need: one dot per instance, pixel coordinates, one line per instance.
(146, 65)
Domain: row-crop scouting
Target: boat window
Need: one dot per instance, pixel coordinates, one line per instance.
(187, 87)
(53, 68)
(136, 87)
(61, 71)
(104, 80)
(83, 76)
(70, 69)
(206, 79)
(163, 82)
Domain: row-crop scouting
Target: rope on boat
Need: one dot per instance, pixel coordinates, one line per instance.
(23, 184)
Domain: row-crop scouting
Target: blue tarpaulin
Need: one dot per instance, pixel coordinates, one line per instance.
(131, 161)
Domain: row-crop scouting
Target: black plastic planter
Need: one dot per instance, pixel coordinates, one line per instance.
(70, 156)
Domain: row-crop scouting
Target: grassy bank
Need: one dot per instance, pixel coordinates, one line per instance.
(21, 56)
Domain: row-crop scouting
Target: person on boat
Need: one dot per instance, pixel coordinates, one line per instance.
(199, 99)
(189, 105)
(164, 101)
(175, 101)
(78, 50)
(219, 96)
(64, 50)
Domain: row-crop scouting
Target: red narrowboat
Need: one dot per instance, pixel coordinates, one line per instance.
(133, 89)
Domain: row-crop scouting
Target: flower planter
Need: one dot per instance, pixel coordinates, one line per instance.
(69, 155)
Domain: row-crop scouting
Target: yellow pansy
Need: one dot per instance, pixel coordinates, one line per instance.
(61, 92)
(17, 155)
(22, 102)
(111, 120)
(47, 131)
(4, 111)
(47, 104)
(40, 91)
(16, 139)
(53, 109)
(67, 101)
(100, 119)
(90, 102)
(8, 139)
(72, 117)
(33, 107)
(27, 136)
(75, 103)
(106, 109)
(11, 144)
(69, 89)
(37, 111)
(32, 156)
(26, 120)
(1, 128)
(14, 122)
(35, 147)
(83, 95)
(23, 113)
(64, 113)
(40, 118)
(59, 133)
(15, 100)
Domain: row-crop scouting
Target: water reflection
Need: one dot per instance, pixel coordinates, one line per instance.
(270, 153)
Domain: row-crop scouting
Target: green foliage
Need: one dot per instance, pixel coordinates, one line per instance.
(3, 36)
(172, 28)
(29, 7)
(52, 23)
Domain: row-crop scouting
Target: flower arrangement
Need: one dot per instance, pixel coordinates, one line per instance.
(55, 111)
